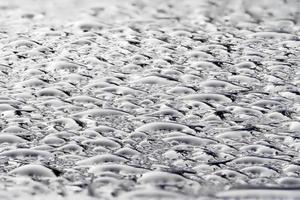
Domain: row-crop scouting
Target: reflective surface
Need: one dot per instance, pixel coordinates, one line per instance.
(149, 99)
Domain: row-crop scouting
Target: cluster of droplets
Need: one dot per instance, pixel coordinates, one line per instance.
(152, 103)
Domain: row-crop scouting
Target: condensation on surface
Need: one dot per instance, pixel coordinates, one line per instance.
(149, 99)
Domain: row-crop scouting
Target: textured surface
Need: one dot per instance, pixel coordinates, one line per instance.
(149, 99)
